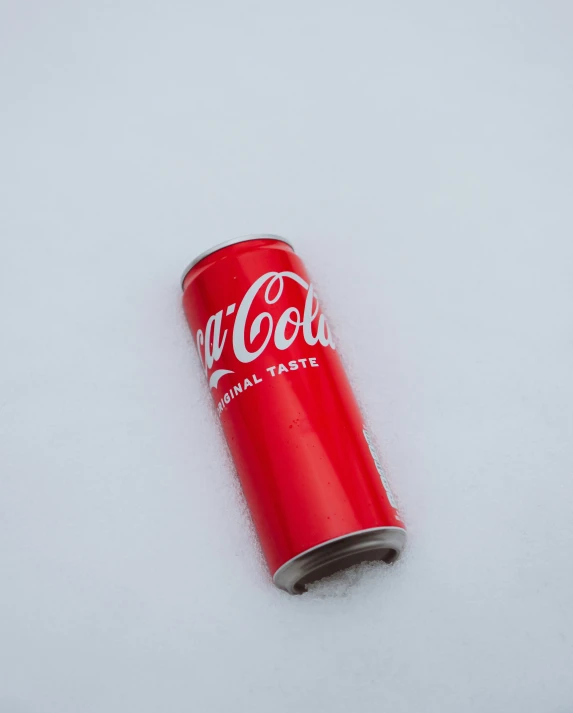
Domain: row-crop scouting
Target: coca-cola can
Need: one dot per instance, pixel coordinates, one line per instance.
(308, 466)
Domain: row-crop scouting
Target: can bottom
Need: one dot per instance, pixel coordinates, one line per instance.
(376, 544)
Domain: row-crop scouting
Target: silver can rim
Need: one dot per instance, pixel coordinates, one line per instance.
(226, 244)
(377, 543)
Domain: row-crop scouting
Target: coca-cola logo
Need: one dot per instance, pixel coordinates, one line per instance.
(253, 332)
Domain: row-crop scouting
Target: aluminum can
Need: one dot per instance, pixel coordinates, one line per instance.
(308, 466)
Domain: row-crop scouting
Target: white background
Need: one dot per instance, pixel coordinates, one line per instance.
(419, 155)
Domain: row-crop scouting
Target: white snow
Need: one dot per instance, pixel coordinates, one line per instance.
(419, 155)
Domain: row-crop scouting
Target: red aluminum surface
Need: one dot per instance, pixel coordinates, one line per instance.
(307, 466)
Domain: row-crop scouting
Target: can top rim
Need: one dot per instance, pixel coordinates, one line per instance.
(227, 243)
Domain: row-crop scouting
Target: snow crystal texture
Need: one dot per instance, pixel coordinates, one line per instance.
(419, 157)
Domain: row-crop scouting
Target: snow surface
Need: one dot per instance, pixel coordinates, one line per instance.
(420, 157)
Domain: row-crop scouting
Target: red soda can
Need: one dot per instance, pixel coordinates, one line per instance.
(315, 487)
